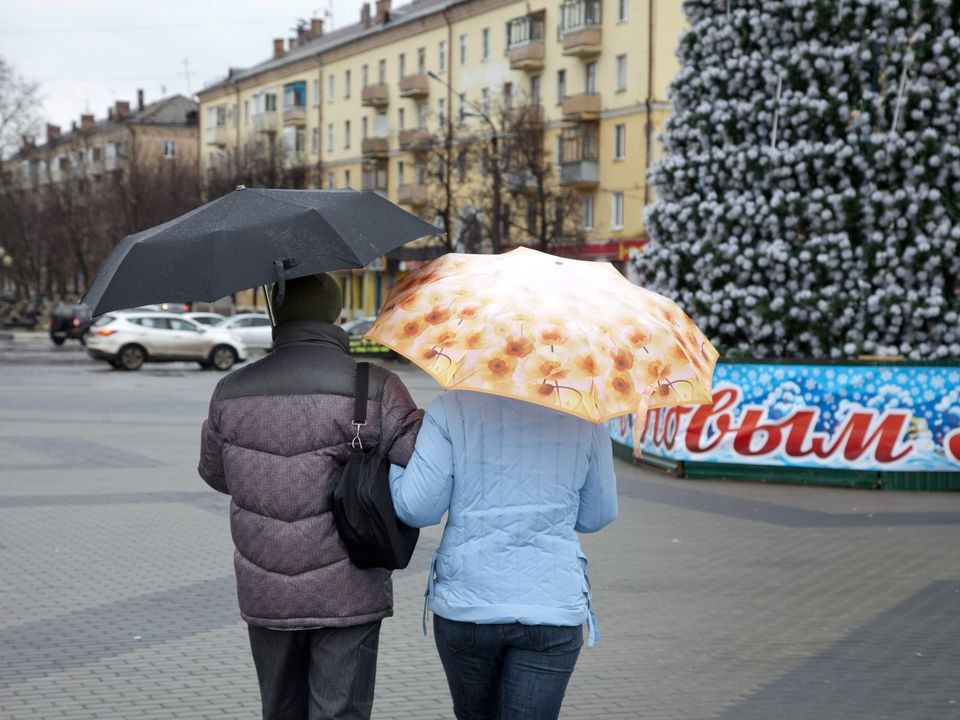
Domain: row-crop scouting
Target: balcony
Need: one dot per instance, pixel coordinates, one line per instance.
(528, 56)
(580, 31)
(265, 122)
(375, 147)
(217, 135)
(414, 139)
(374, 177)
(412, 194)
(295, 115)
(579, 166)
(526, 117)
(376, 95)
(521, 181)
(582, 107)
(580, 173)
(525, 47)
(415, 86)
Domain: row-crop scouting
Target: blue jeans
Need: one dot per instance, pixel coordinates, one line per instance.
(507, 672)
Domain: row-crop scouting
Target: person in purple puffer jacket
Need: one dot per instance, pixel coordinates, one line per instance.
(277, 433)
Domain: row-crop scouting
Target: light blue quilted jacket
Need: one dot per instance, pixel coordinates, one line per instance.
(517, 482)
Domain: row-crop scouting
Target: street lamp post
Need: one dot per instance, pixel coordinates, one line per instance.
(496, 238)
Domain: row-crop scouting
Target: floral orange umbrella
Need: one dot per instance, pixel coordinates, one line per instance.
(571, 335)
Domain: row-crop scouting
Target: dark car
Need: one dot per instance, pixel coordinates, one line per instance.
(69, 321)
(359, 345)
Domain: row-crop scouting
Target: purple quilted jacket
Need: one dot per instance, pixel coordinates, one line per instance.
(277, 434)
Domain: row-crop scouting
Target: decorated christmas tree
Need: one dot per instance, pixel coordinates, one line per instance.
(809, 203)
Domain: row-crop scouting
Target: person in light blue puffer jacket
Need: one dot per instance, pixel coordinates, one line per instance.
(508, 584)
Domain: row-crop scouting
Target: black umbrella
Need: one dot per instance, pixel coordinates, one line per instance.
(248, 238)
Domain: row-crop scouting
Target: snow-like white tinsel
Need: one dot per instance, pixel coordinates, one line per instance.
(802, 210)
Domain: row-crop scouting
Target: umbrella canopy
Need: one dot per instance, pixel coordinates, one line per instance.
(571, 335)
(248, 238)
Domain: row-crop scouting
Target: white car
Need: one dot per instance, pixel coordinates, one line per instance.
(206, 318)
(128, 340)
(253, 328)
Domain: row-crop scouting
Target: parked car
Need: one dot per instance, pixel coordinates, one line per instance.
(69, 322)
(128, 340)
(206, 318)
(359, 345)
(253, 328)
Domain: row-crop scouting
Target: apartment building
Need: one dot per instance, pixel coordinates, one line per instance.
(162, 132)
(363, 106)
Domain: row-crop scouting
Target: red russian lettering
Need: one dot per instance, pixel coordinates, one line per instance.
(723, 400)
(855, 440)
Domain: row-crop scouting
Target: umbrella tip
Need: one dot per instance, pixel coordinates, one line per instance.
(240, 187)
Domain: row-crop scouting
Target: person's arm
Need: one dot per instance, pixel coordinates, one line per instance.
(422, 491)
(211, 452)
(399, 420)
(598, 496)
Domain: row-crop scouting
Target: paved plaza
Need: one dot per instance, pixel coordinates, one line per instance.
(716, 601)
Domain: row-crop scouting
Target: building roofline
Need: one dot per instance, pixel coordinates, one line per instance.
(411, 12)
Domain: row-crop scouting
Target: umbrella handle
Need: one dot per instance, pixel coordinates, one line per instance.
(278, 266)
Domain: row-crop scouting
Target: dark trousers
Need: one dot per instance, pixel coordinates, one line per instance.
(507, 672)
(323, 674)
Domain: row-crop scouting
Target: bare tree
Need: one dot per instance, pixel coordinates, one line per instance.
(19, 109)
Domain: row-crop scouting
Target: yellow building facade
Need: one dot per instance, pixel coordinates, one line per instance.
(357, 106)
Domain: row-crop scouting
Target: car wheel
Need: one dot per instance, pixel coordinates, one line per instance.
(58, 341)
(223, 357)
(132, 357)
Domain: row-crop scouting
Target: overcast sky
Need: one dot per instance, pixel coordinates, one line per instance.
(85, 54)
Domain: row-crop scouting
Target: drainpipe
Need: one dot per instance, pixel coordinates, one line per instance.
(649, 129)
(320, 122)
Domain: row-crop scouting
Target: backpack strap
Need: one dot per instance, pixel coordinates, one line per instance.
(360, 402)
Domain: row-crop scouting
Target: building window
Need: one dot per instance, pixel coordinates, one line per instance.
(246, 112)
(316, 93)
(443, 55)
(294, 95)
(401, 65)
(616, 211)
(463, 49)
(591, 84)
(621, 73)
(535, 90)
(315, 141)
(619, 142)
(400, 119)
(400, 173)
(485, 44)
(485, 99)
(365, 75)
(586, 212)
(462, 109)
(169, 150)
(421, 116)
(462, 166)
(346, 83)
(561, 85)
(421, 61)
(331, 87)
(531, 217)
(363, 129)
(622, 6)
(330, 180)
(346, 178)
(558, 150)
(382, 72)
(330, 136)
(441, 112)
(346, 134)
(508, 95)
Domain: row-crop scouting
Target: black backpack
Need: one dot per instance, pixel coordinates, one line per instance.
(362, 506)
